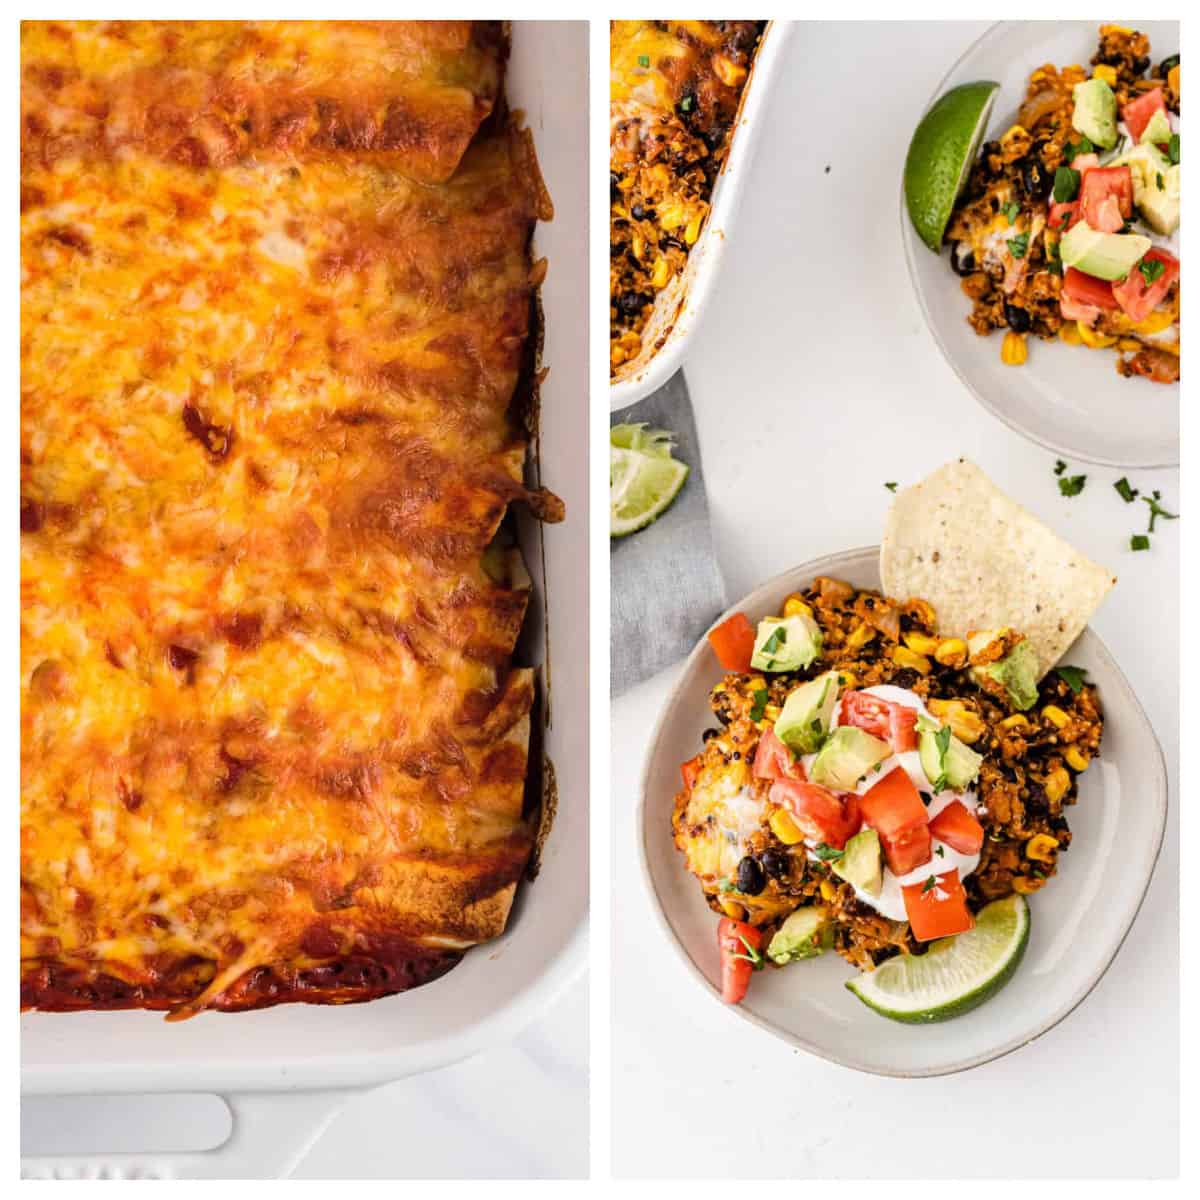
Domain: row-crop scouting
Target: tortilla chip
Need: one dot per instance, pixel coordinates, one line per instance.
(983, 562)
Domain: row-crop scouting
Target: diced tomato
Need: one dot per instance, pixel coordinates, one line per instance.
(957, 827)
(1084, 162)
(852, 811)
(892, 723)
(733, 642)
(818, 811)
(690, 770)
(773, 759)
(739, 944)
(1084, 296)
(893, 808)
(1062, 216)
(939, 910)
(1137, 298)
(1137, 113)
(1106, 198)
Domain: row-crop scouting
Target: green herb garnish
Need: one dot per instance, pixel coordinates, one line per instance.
(940, 852)
(1066, 185)
(827, 853)
(1059, 466)
(759, 705)
(751, 956)
(726, 886)
(777, 638)
(1139, 541)
(941, 740)
(1156, 510)
(1072, 485)
(1151, 269)
(1018, 245)
(1126, 492)
(685, 105)
(643, 60)
(1072, 677)
(1173, 148)
(1075, 149)
(1012, 212)
(930, 884)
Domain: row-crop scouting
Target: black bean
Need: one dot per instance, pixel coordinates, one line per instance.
(632, 303)
(1141, 65)
(750, 877)
(614, 190)
(641, 213)
(709, 734)
(963, 264)
(1018, 318)
(775, 863)
(905, 678)
(1035, 179)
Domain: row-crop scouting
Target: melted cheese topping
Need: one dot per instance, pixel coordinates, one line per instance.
(268, 718)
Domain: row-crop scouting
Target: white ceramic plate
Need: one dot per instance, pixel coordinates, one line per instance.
(1068, 398)
(1079, 919)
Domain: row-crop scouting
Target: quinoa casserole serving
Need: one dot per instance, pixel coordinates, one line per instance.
(869, 785)
(674, 91)
(1067, 226)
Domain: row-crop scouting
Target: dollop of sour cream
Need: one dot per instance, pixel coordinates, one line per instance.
(890, 901)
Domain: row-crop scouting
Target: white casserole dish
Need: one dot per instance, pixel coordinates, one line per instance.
(310, 1052)
(679, 306)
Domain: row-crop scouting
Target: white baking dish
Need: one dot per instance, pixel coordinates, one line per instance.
(679, 306)
(309, 1052)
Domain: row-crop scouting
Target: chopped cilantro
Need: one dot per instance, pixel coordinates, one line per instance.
(940, 852)
(726, 886)
(1059, 466)
(1017, 246)
(1158, 179)
(930, 884)
(1072, 485)
(1139, 541)
(891, 486)
(1156, 510)
(751, 956)
(827, 853)
(777, 638)
(1012, 212)
(941, 740)
(1075, 149)
(1066, 185)
(759, 705)
(1173, 148)
(1055, 267)
(1072, 677)
(643, 60)
(1126, 492)
(685, 105)
(1151, 269)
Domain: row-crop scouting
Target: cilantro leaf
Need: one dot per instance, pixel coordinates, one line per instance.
(1059, 466)
(1173, 148)
(1126, 492)
(643, 60)
(827, 853)
(1151, 268)
(777, 638)
(1017, 246)
(1012, 212)
(1156, 511)
(891, 486)
(1072, 485)
(929, 884)
(1075, 149)
(1066, 185)
(1072, 677)
(1139, 541)
(759, 705)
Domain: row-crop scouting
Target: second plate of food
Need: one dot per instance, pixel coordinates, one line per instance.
(1065, 392)
(773, 865)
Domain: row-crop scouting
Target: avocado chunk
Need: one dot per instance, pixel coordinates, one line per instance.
(786, 643)
(861, 863)
(1159, 206)
(1104, 255)
(947, 762)
(1095, 114)
(849, 755)
(1158, 129)
(808, 714)
(1017, 672)
(806, 933)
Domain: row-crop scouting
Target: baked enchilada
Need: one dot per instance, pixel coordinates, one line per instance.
(674, 92)
(277, 314)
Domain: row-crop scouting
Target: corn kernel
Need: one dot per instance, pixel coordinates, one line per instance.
(794, 606)
(1097, 341)
(771, 713)
(1016, 721)
(1107, 73)
(661, 274)
(1013, 132)
(728, 72)
(1013, 351)
(1069, 333)
(784, 828)
(902, 656)
(1041, 848)
(848, 679)
(828, 891)
(733, 910)
(921, 643)
(952, 653)
(1173, 79)
(966, 725)
(1025, 884)
(1129, 344)
(1076, 759)
(693, 229)
(1156, 322)
(1058, 783)
(1055, 715)
(860, 636)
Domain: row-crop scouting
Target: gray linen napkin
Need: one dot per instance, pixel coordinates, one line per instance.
(666, 587)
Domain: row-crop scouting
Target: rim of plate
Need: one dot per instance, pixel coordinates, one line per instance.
(829, 564)
(908, 239)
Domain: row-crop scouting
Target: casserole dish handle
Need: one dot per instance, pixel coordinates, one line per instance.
(271, 1133)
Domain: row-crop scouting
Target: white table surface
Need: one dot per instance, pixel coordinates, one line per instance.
(814, 382)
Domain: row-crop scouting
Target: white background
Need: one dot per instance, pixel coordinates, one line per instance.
(815, 381)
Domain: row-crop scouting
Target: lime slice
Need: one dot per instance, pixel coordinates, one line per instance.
(643, 478)
(956, 974)
(940, 156)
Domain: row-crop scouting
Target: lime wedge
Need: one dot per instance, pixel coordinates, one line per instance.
(643, 478)
(956, 974)
(940, 156)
